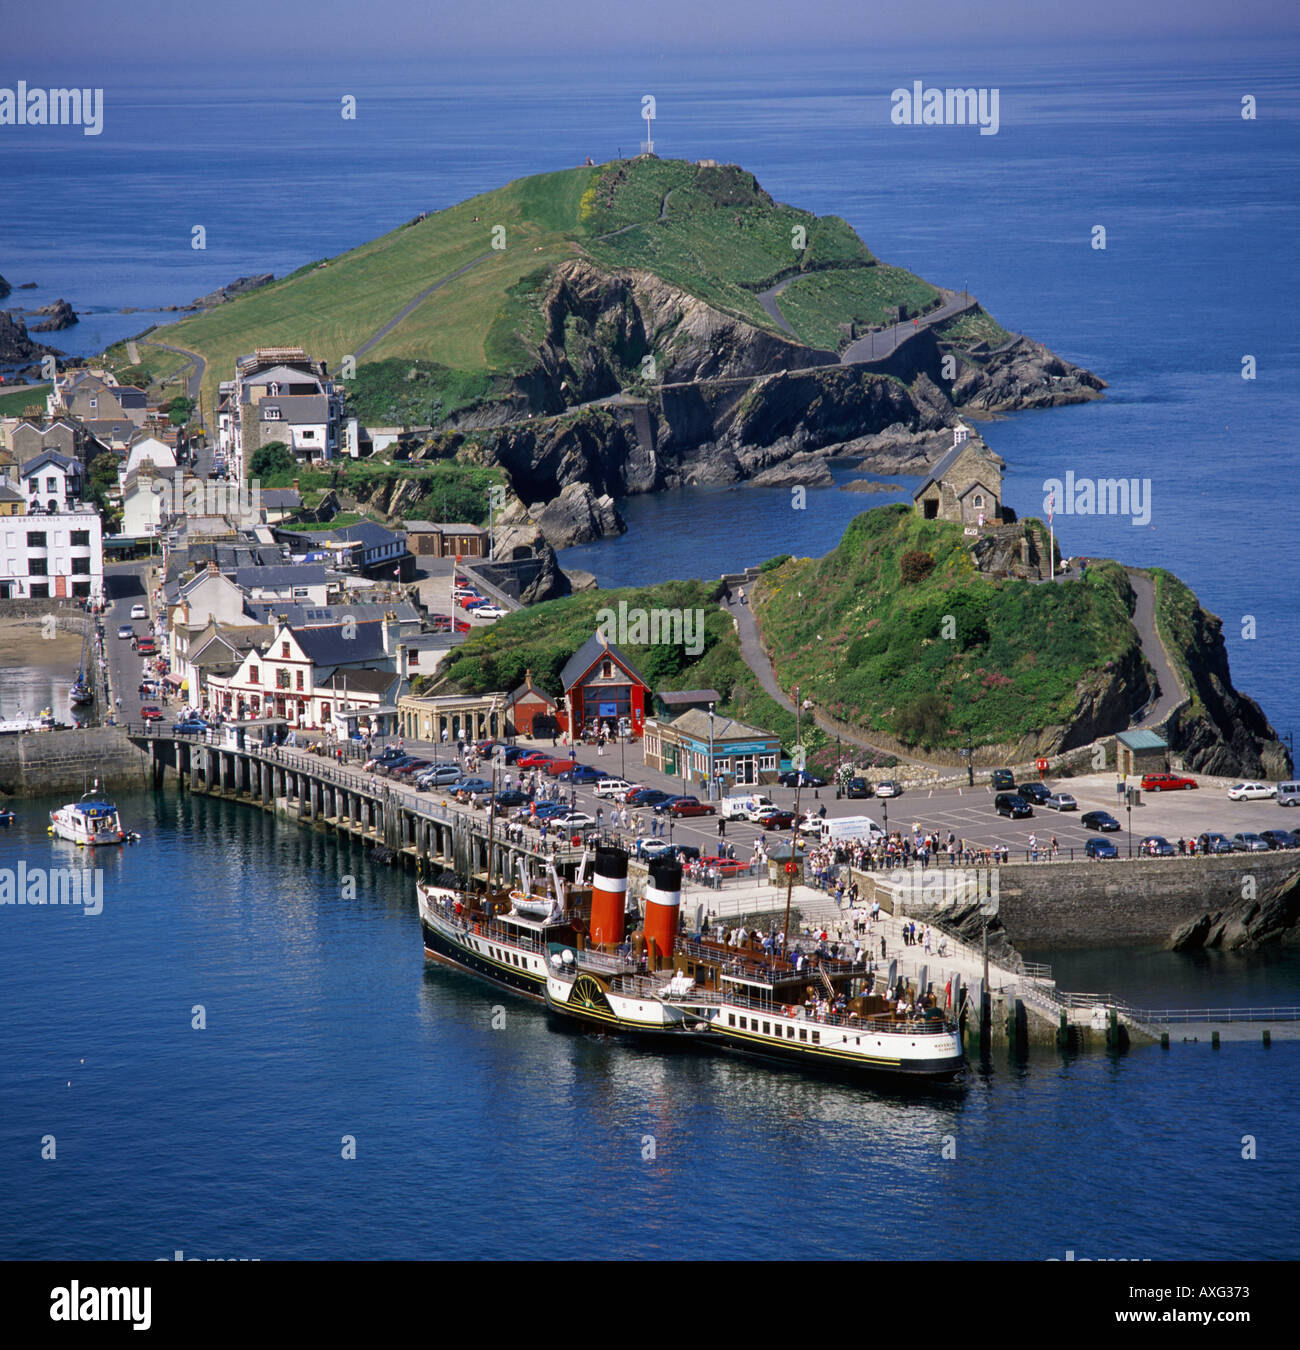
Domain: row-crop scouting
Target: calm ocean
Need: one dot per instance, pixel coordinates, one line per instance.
(322, 1018)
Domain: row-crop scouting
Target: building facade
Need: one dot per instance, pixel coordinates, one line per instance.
(734, 756)
(52, 556)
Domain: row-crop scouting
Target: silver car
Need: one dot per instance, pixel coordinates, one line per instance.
(1060, 801)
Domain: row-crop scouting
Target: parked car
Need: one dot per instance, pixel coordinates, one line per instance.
(728, 867)
(410, 769)
(555, 767)
(1157, 846)
(1100, 848)
(1034, 793)
(633, 795)
(800, 778)
(484, 748)
(438, 775)
(858, 787)
(684, 853)
(1213, 842)
(1246, 841)
(653, 848)
(194, 725)
(1249, 792)
(481, 786)
(548, 810)
(775, 820)
(1002, 780)
(889, 788)
(139, 612)
(1010, 805)
(390, 754)
(1280, 838)
(1060, 801)
(146, 646)
(609, 787)
(126, 631)
(489, 611)
(149, 713)
(1166, 782)
(511, 797)
(582, 773)
(651, 797)
(1099, 820)
(688, 806)
(535, 760)
(575, 820)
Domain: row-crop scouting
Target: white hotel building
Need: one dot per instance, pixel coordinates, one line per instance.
(52, 556)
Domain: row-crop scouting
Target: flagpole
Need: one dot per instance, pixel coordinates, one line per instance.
(1051, 534)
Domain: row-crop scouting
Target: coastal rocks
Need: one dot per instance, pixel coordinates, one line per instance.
(15, 342)
(1024, 374)
(5, 288)
(60, 315)
(1271, 918)
(550, 583)
(577, 516)
(239, 286)
(870, 485)
(804, 469)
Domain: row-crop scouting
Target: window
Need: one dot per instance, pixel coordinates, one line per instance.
(298, 683)
(803, 1033)
(817, 1038)
(81, 567)
(81, 588)
(39, 591)
(767, 1028)
(413, 659)
(273, 414)
(80, 538)
(35, 538)
(309, 435)
(979, 502)
(38, 567)
(281, 678)
(731, 1019)
(284, 649)
(252, 674)
(607, 670)
(744, 1024)
(51, 484)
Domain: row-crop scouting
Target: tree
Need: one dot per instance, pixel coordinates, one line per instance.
(922, 720)
(269, 460)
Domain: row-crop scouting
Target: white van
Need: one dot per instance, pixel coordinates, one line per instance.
(745, 806)
(1288, 794)
(841, 829)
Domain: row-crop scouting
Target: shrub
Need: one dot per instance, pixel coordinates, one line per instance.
(915, 566)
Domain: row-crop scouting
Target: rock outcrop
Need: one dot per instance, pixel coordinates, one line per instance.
(1019, 376)
(1272, 917)
(577, 516)
(5, 288)
(15, 342)
(237, 287)
(60, 315)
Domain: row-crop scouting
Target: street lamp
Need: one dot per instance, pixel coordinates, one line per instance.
(1128, 806)
(712, 787)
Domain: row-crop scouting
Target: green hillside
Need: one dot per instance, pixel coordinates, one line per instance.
(924, 658)
(863, 633)
(712, 231)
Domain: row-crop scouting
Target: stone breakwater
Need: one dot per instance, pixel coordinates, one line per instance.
(42, 763)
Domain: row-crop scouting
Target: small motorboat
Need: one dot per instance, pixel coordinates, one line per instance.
(7, 817)
(90, 821)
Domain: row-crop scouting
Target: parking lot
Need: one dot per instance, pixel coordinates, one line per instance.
(968, 812)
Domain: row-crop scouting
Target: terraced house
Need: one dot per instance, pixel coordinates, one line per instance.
(278, 394)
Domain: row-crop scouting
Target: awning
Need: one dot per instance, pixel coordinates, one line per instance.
(173, 679)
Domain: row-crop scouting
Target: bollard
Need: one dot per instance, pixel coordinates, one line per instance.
(1063, 1031)
(1214, 1039)
(1164, 1040)
(1112, 1029)
(1268, 1038)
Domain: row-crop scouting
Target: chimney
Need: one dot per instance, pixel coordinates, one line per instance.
(295, 485)
(392, 630)
(213, 569)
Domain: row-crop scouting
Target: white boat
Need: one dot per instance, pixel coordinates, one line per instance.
(13, 726)
(91, 820)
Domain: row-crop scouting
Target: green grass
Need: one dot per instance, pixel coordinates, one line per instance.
(871, 650)
(400, 392)
(17, 401)
(817, 304)
(973, 326)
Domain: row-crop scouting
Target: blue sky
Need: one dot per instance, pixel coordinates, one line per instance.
(277, 31)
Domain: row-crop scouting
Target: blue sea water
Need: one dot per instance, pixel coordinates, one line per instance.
(324, 1021)
(322, 1018)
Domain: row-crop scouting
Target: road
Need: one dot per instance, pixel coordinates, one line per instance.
(383, 332)
(1144, 620)
(124, 586)
(884, 343)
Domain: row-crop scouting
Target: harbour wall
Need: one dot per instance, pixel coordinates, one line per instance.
(42, 763)
(1113, 902)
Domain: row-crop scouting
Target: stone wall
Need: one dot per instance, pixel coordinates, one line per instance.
(43, 762)
(1107, 903)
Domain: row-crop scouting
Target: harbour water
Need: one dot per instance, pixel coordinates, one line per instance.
(521, 1139)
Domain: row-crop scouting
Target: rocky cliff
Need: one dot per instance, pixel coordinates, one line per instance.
(1273, 916)
(58, 315)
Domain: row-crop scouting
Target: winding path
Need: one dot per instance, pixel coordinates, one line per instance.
(1153, 648)
(419, 300)
(195, 381)
(883, 343)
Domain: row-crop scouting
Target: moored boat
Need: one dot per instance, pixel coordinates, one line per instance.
(91, 820)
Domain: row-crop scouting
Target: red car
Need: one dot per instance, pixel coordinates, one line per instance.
(691, 808)
(775, 820)
(633, 795)
(555, 767)
(151, 714)
(1165, 782)
(445, 623)
(728, 867)
(465, 601)
(534, 761)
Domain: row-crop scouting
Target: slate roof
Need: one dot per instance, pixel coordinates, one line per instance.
(318, 616)
(55, 457)
(588, 654)
(949, 459)
(696, 723)
(282, 574)
(364, 681)
(326, 646)
(295, 409)
(1142, 740)
(684, 697)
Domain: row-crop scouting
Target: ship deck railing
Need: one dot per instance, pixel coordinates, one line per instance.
(743, 961)
(909, 1023)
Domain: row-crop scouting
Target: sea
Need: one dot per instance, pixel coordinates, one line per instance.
(253, 1002)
